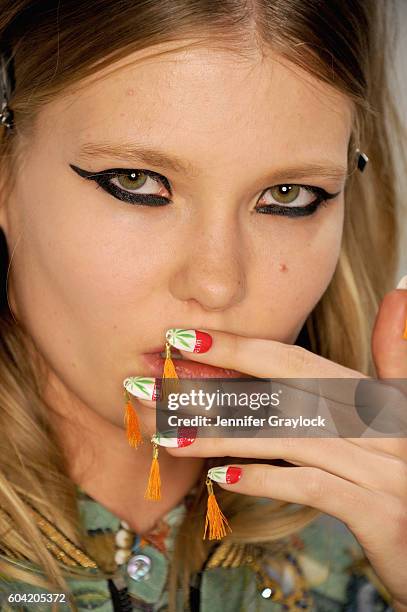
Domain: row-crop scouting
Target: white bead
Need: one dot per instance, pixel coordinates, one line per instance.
(125, 525)
(124, 538)
(122, 555)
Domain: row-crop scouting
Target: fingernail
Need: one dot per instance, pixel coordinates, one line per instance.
(143, 387)
(227, 474)
(191, 340)
(402, 283)
(186, 435)
(175, 438)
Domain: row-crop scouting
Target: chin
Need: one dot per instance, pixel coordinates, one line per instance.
(147, 424)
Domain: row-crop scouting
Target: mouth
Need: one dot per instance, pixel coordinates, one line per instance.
(185, 368)
(175, 354)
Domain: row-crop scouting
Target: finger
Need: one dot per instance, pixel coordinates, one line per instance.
(396, 447)
(389, 338)
(339, 457)
(145, 391)
(255, 356)
(389, 349)
(303, 485)
(378, 521)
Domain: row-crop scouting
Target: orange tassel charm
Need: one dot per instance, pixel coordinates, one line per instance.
(153, 490)
(132, 423)
(215, 519)
(169, 383)
(170, 377)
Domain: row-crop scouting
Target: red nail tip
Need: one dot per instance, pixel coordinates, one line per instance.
(157, 390)
(186, 435)
(203, 342)
(233, 474)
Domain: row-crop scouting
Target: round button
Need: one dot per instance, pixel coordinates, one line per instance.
(139, 567)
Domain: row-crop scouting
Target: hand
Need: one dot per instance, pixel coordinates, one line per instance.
(361, 481)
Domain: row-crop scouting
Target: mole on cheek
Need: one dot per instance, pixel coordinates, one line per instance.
(282, 267)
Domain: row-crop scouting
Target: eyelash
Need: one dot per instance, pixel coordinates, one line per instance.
(103, 179)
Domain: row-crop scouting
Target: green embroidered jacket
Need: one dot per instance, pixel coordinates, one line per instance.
(326, 555)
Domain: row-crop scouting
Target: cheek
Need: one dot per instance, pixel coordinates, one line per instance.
(81, 281)
(295, 270)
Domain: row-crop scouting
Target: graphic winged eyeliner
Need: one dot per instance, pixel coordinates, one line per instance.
(103, 179)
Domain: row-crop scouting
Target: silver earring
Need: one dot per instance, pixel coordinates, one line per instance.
(362, 160)
(6, 115)
(7, 83)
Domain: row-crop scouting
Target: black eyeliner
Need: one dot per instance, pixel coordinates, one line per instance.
(300, 211)
(94, 175)
(291, 211)
(103, 180)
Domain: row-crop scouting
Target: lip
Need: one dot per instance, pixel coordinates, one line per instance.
(161, 349)
(188, 369)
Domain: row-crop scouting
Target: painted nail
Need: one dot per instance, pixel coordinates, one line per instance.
(191, 340)
(143, 387)
(175, 438)
(402, 283)
(186, 435)
(227, 474)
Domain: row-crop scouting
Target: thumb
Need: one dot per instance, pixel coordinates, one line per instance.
(389, 338)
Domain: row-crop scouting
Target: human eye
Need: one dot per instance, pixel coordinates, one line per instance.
(293, 200)
(131, 185)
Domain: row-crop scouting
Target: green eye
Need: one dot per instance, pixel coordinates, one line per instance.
(133, 180)
(123, 183)
(285, 194)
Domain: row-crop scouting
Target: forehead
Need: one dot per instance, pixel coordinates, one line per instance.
(202, 98)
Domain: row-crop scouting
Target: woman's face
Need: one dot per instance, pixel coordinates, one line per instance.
(98, 280)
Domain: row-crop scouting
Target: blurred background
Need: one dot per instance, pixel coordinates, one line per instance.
(400, 78)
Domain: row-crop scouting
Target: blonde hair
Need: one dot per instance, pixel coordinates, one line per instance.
(344, 44)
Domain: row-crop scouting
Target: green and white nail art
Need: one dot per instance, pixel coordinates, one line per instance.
(166, 438)
(183, 339)
(192, 340)
(227, 474)
(142, 387)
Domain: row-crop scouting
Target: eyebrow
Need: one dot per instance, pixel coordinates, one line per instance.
(147, 155)
(155, 157)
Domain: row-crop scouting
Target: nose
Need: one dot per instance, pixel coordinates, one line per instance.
(211, 270)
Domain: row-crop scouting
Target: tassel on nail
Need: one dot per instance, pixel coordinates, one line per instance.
(132, 423)
(170, 379)
(153, 490)
(216, 523)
